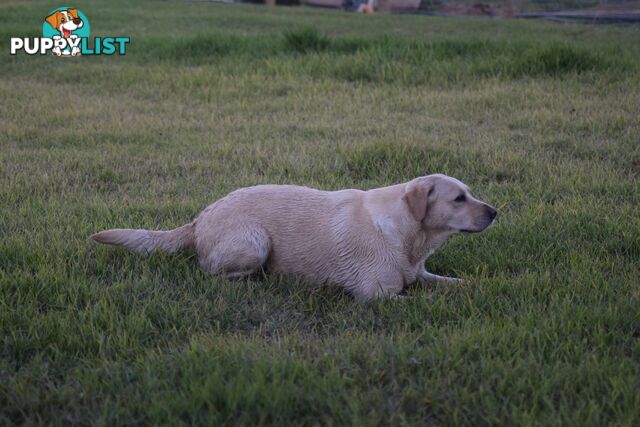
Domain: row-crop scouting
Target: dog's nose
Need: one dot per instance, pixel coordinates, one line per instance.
(492, 213)
(77, 21)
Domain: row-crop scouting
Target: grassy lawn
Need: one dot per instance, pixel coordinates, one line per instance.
(542, 120)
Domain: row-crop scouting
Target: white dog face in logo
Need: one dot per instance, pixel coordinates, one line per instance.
(65, 21)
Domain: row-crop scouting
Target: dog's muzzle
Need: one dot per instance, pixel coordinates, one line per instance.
(485, 221)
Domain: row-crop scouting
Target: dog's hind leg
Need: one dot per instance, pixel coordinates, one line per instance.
(239, 252)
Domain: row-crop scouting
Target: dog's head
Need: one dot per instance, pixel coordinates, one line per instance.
(444, 204)
(65, 21)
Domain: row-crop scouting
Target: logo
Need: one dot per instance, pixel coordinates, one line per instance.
(65, 32)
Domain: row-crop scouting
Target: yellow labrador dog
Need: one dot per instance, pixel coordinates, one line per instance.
(372, 243)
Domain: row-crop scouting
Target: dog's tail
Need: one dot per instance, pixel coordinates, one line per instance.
(147, 241)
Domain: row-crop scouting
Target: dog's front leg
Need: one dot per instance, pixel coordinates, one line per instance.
(56, 50)
(424, 276)
(75, 50)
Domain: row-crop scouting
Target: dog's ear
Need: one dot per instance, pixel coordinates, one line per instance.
(54, 19)
(73, 12)
(416, 196)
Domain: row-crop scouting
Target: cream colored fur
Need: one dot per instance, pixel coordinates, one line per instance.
(372, 243)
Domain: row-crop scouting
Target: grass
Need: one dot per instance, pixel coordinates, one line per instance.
(540, 119)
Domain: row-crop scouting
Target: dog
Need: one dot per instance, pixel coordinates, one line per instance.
(372, 243)
(65, 21)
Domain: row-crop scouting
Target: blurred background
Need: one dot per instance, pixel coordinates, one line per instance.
(598, 11)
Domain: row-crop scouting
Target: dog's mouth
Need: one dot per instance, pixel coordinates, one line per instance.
(66, 33)
(488, 222)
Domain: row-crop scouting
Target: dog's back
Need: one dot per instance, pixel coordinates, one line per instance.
(305, 226)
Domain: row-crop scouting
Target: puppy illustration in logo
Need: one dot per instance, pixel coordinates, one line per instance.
(66, 22)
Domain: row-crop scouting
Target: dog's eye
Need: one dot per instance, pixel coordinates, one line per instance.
(460, 198)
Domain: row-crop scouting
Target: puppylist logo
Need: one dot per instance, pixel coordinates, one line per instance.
(65, 32)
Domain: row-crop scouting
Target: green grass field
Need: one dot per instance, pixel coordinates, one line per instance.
(542, 120)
